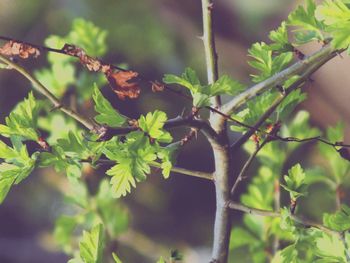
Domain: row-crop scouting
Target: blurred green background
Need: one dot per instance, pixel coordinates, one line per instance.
(153, 37)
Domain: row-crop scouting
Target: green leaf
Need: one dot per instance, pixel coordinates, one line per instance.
(336, 15)
(308, 27)
(265, 63)
(289, 104)
(280, 39)
(107, 114)
(63, 231)
(57, 78)
(92, 244)
(241, 237)
(114, 216)
(20, 166)
(295, 182)
(330, 247)
(116, 258)
(168, 155)
(188, 79)
(161, 260)
(226, 85)
(22, 121)
(340, 221)
(289, 254)
(153, 123)
(88, 36)
(133, 158)
(338, 165)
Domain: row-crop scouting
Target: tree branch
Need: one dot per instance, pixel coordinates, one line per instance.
(237, 144)
(198, 174)
(241, 175)
(324, 54)
(220, 146)
(211, 57)
(89, 124)
(260, 212)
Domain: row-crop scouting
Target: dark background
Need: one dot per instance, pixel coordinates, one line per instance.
(153, 37)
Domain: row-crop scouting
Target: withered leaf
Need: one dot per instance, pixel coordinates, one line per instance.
(124, 84)
(157, 86)
(92, 64)
(13, 48)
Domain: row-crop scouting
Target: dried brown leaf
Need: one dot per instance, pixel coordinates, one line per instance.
(157, 86)
(13, 48)
(124, 84)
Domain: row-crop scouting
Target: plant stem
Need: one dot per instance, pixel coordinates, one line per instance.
(89, 124)
(184, 171)
(241, 175)
(220, 146)
(324, 54)
(211, 57)
(260, 212)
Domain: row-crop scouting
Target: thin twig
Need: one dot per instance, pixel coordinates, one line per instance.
(198, 174)
(261, 212)
(326, 52)
(306, 75)
(211, 56)
(89, 124)
(241, 175)
(222, 158)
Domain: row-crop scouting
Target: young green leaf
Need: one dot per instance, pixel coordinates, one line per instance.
(22, 121)
(63, 232)
(18, 166)
(107, 114)
(133, 158)
(116, 258)
(295, 182)
(340, 221)
(225, 85)
(88, 36)
(280, 39)
(308, 27)
(336, 16)
(92, 245)
(153, 123)
(330, 248)
(188, 79)
(265, 63)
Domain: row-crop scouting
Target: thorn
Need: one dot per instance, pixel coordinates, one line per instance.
(183, 112)
(200, 38)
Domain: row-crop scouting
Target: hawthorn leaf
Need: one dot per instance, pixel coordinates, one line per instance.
(330, 247)
(340, 221)
(92, 244)
(107, 114)
(308, 28)
(266, 64)
(133, 158)
(122, 178)
(152, 124)
(22, 121)
(18, 167)
(88, 36)
(226, 85)
(295, 182)
(63, 231)
(188, 79)
(116, 258)
(280, 39)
